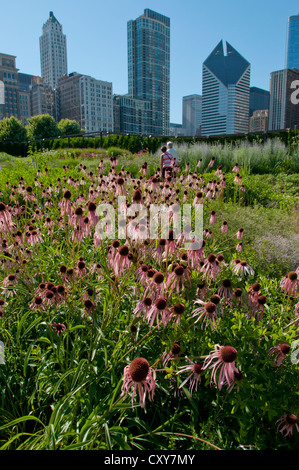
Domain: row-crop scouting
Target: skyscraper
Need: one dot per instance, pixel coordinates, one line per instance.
(149, 65)
(192, 110)
(225, 92)
(53, 56)
(259, 99)
(9, 82)
(292, 43)
(86, 100)
(283, 112)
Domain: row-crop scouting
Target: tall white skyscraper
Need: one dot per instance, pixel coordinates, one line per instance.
(225, 92)
(53, 56)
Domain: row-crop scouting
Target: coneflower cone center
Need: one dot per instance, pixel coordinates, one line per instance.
(292, 276)
(228, 354)
(139, 369)
(210, 307)
(291, 419)
(123, 250)
(179, 270)
(197, 368)
(226, 283)
(175, 348)
(285, 348)
(179, 308)
(158, 278)
(160, 303)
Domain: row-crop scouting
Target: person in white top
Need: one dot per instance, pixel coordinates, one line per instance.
(172, 151)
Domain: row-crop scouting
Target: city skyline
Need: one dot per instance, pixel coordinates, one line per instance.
(98, 47)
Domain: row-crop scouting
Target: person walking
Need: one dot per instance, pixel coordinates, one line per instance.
(173, 152)
(166, 162)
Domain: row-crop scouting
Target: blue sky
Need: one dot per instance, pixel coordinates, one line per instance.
(97, 37)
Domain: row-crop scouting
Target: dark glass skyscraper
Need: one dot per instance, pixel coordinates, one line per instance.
(225, 92)
(292, 43)
(149, 65)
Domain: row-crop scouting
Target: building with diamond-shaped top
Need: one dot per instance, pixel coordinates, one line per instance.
(225, 92)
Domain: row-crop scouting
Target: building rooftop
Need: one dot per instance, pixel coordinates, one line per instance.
(228, 65)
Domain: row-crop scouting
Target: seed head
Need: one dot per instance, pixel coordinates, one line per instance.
(228, 354)
(139, 369)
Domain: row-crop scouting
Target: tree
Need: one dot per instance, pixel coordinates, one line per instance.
(12, 130)
(42, 127)
(68, 127)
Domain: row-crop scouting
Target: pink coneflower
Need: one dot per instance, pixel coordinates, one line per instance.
(286, 424)
(243, 268)
(253, 294)
(159, 311)
(225, 290)
(120, 188)
(58, 327)
(140, 274)
(238, 179)
(33, 237)
(171, 245)
(211, 267)
(258, 311)
(143, 306)
(5, 217)
(280, 353)
(199, 162)
(290, 283)
(238, 376)
(238, 295)
(80, 270)
(206, 313)
(177, 279)
(198, 198)
(224, 227)
(173, 354)
(76, 219)
(236, 168)
(141, 376)
(194, 377)
(213, 217)
(240, 233)
(223, 358)
(36, 304)
(176, 312)
(121, 260)
(239, 247)
(202, 289)
(93, 216)
(156, 285)
(212, 161)
(219, 171)
(196, 254)
(160, 249)
(65, 205)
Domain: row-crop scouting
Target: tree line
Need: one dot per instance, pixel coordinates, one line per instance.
(43, 132)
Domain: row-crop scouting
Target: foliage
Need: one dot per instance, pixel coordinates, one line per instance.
(62, 389)
(68, 127)
(12, 130)
(41, 127)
